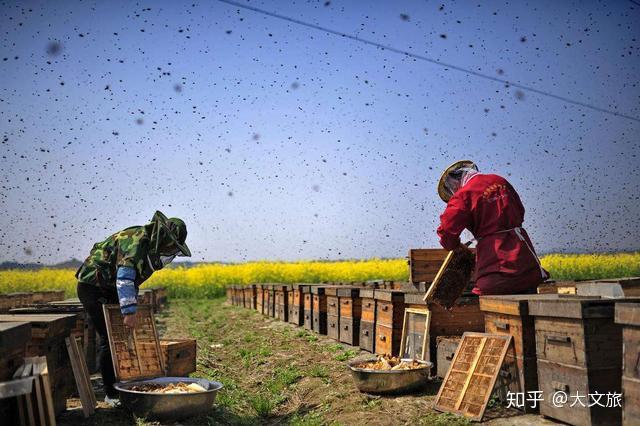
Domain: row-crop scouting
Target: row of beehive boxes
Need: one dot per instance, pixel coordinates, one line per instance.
(583, 347)
(41, 329)
(562, 343)
(369, 315)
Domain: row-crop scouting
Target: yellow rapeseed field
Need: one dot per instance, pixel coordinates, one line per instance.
(209, 280)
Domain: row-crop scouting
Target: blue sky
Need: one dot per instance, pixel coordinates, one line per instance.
(277, 141)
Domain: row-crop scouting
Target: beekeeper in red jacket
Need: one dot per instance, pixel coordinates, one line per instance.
(489, 207)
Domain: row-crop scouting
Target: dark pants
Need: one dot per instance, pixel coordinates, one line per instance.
(92, 298)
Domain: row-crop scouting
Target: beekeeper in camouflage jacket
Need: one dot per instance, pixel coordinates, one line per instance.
(115, 269)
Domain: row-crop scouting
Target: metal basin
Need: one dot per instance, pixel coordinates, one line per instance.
(168, 407)
(386, 381)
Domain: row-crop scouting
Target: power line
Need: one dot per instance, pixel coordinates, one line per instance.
(431, 60)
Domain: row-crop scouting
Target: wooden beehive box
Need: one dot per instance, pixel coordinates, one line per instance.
(14, 337)
(260, 298)
(350, 313)
(389, 317)
(39, 297)
(319, 309)
(14, 300)
(271, 300)
(307, 298)
(296, 304)
(48, 332)
(146, 296)
(136, 354)
(229, 292)
(282, 301)
(83, 327)
(179, 356)
(248, 297)
(367, 340)
(628, 316)
(161, 296)
(446, 347)
(424, 264)
(333, 312)
(579, 349)
(510, 315)
(464, 316)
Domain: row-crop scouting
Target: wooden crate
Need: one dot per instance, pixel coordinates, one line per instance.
(445, 350)
(464, 316)
(282, 302)
(424, 264)
(628, 316)
(296, 304)
(82, 329)
(333, 312)
(349, 315)
(367, 340)
(578, 349)
(14, 300)
(161, 296)
(48, 333)
(14, 337)
(509, 315)
(307, 297)
(146, 296)
(179, 356)
(389, 318)
(229, 293)
(319, 309)
(271, 300)
(39, 297)
(250, 296)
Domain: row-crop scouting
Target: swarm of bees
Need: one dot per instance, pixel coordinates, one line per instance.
(390, 363)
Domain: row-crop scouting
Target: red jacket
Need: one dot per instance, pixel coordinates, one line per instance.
(486, 205)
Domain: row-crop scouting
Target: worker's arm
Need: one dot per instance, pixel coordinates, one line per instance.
(127, 292)
(453, 221)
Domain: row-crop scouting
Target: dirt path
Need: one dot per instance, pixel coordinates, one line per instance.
(276, 373)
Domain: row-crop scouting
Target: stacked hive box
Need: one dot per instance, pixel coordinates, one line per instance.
(82, 329)
(319, 309)
(296, 304)
(579, 351)
(48, 333)
(307, 297)
(261, 299)
(510, 315)
(628, 315)
(367, 340)
(333, 312)
(161, 296)
(250, 296)
(229, 293)
(349, 314)
(282, 301)
(271, 300)
(389, 317)
(14, 337)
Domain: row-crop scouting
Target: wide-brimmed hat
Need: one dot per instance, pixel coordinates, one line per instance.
(442, 192)
(175, 229)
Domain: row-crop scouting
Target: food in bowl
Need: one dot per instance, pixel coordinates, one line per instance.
(389, 363)
(171, 388)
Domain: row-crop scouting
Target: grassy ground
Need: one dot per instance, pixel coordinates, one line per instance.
(275, 373)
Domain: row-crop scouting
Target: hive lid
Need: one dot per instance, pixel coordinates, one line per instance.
(628, 313)
(13, 335)
(349, 291)
(136, 354)
(44, 326)
(517, 304)
(576, 307)
(389, 295)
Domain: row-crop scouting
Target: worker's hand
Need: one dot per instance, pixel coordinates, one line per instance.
(131, 320)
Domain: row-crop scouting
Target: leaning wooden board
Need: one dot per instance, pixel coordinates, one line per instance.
(469, 382)
(136, 353)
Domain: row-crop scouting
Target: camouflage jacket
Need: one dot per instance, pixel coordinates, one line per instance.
(129, 247)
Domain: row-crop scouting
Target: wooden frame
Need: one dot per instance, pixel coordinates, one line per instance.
(425, 339)
(471, 372)
(432, 288)
(132, 343)
(81, 376)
